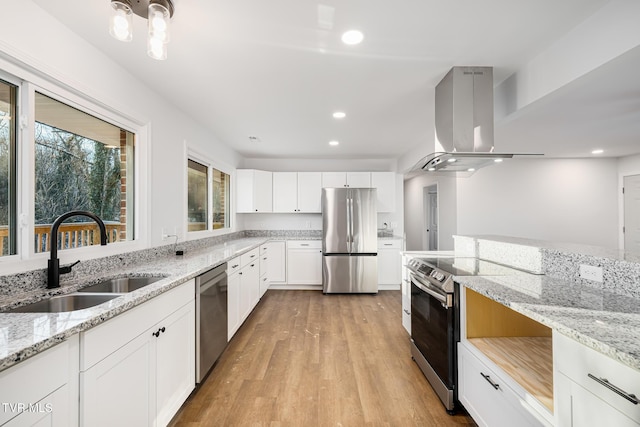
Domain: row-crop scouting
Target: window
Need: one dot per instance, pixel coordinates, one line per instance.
(204, 181)
(8, 184)
(81, 163)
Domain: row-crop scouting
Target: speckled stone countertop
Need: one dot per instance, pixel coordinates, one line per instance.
(605, 321)
(25, 334)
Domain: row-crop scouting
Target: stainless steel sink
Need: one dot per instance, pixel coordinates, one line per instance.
(61, 303)
(121, 285)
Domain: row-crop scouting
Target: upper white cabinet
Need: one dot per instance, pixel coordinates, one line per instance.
(346, 179)
(254, 190)
(385, 183)
(297, 192)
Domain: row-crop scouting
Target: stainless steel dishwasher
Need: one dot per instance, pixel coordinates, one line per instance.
(211, 318)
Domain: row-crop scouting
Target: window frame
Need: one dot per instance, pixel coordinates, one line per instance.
(16, 190)
(196, 156)
(28, 83)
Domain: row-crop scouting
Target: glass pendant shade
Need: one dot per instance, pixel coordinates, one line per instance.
(159, 21)
(121, 22)
(156, 48)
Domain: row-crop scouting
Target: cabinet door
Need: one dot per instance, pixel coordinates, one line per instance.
(117, 391)
(52, 411)
(249, 289)
(385, 184)
(285, 190)
(359, 179)
(309, 192)
(389, 266)
(175, 362)
(233, 303)
(263, 191)
(277, 264)
(244, 191)
(304, 266)
(334, 179)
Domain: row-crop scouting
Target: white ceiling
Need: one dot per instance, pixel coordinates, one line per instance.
(277, 70)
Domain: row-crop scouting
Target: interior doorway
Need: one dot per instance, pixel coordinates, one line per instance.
(430, 233)
(631, 224)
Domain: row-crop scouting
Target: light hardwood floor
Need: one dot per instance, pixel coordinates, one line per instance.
(307, 359)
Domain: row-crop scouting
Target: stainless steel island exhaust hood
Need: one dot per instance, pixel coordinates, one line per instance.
(463, 123)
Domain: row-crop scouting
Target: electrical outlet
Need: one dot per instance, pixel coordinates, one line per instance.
(394, 225)
(590, 272)
(163, 233)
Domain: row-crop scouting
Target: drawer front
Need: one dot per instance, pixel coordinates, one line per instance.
(250, 256)
(304, 244)
(35, 378)
(487, 397)
(578, 362)
(233, 265)
(99, 342)
(264, 248)
(390, 244)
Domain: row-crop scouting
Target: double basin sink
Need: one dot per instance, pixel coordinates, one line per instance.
(88, 297)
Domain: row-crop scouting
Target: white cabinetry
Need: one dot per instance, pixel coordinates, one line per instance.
(254, 190)
(385, 184)
(304, 262)
(43, 389)
(264, 268)
(297, 192)
(243, 288)
(139, 367)
(593, 389)
(277, 265)
(406, 294)
(389, 262)
(346, 179)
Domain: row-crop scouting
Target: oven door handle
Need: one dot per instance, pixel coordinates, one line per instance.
(444, 299)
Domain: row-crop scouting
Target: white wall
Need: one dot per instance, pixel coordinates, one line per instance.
(629, 165)
(562, 200)
(415, 217)
(65, 58)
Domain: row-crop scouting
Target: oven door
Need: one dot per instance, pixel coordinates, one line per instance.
(433, 325)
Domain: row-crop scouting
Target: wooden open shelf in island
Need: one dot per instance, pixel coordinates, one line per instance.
(520, 346)
(528, 360)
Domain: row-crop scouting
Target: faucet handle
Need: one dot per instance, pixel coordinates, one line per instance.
(67, 269)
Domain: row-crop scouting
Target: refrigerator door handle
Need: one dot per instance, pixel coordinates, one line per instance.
(350, 226)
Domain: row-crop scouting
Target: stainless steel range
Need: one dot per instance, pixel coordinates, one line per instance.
(435, 318)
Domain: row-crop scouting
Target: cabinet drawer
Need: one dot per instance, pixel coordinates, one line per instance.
(264, 248)
(488, 398)
(390, 244)
(578, 362)
(233, 265)
(304, 244)
(250, 256)
(99, 342)
(34, 379)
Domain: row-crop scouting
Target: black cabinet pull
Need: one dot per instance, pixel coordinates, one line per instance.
(617, 390)
(488, 378)
(162, 329)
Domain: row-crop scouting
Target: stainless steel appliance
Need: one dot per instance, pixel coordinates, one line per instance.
(435, 318)
(349, 240)
(211, 318)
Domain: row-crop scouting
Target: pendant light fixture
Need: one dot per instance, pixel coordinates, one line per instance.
(157, 12)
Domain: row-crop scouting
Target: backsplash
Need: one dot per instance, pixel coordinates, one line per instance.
(620, 271)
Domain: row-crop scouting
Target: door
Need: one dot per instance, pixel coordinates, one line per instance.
(350, 274)
(364, 220)
(430, 200)
(309, 189)
(632, 213)
(335, 225)
(359, 179)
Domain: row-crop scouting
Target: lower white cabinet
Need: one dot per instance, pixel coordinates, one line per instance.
(389, 262)
(264, 267)
(243, 289)
(143, 380)
(488, 396)
(277, 264)
(42, 390)
(593, 389)
(304, 262)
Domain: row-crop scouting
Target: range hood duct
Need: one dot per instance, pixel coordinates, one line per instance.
(463, 123)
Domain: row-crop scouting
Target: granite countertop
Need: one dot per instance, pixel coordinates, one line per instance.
(602, 320)
(25, 334)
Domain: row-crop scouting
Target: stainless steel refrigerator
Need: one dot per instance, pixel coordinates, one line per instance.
(349, 240)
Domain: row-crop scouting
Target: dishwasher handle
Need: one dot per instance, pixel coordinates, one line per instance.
(210, 278)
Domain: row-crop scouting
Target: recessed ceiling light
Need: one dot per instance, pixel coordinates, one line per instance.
(451, 160)
(471, 169)
(597, 151)
(339, 115)
(253, 138)
(497, 160)
(334, 143)
(352, 37)
(431, 169)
